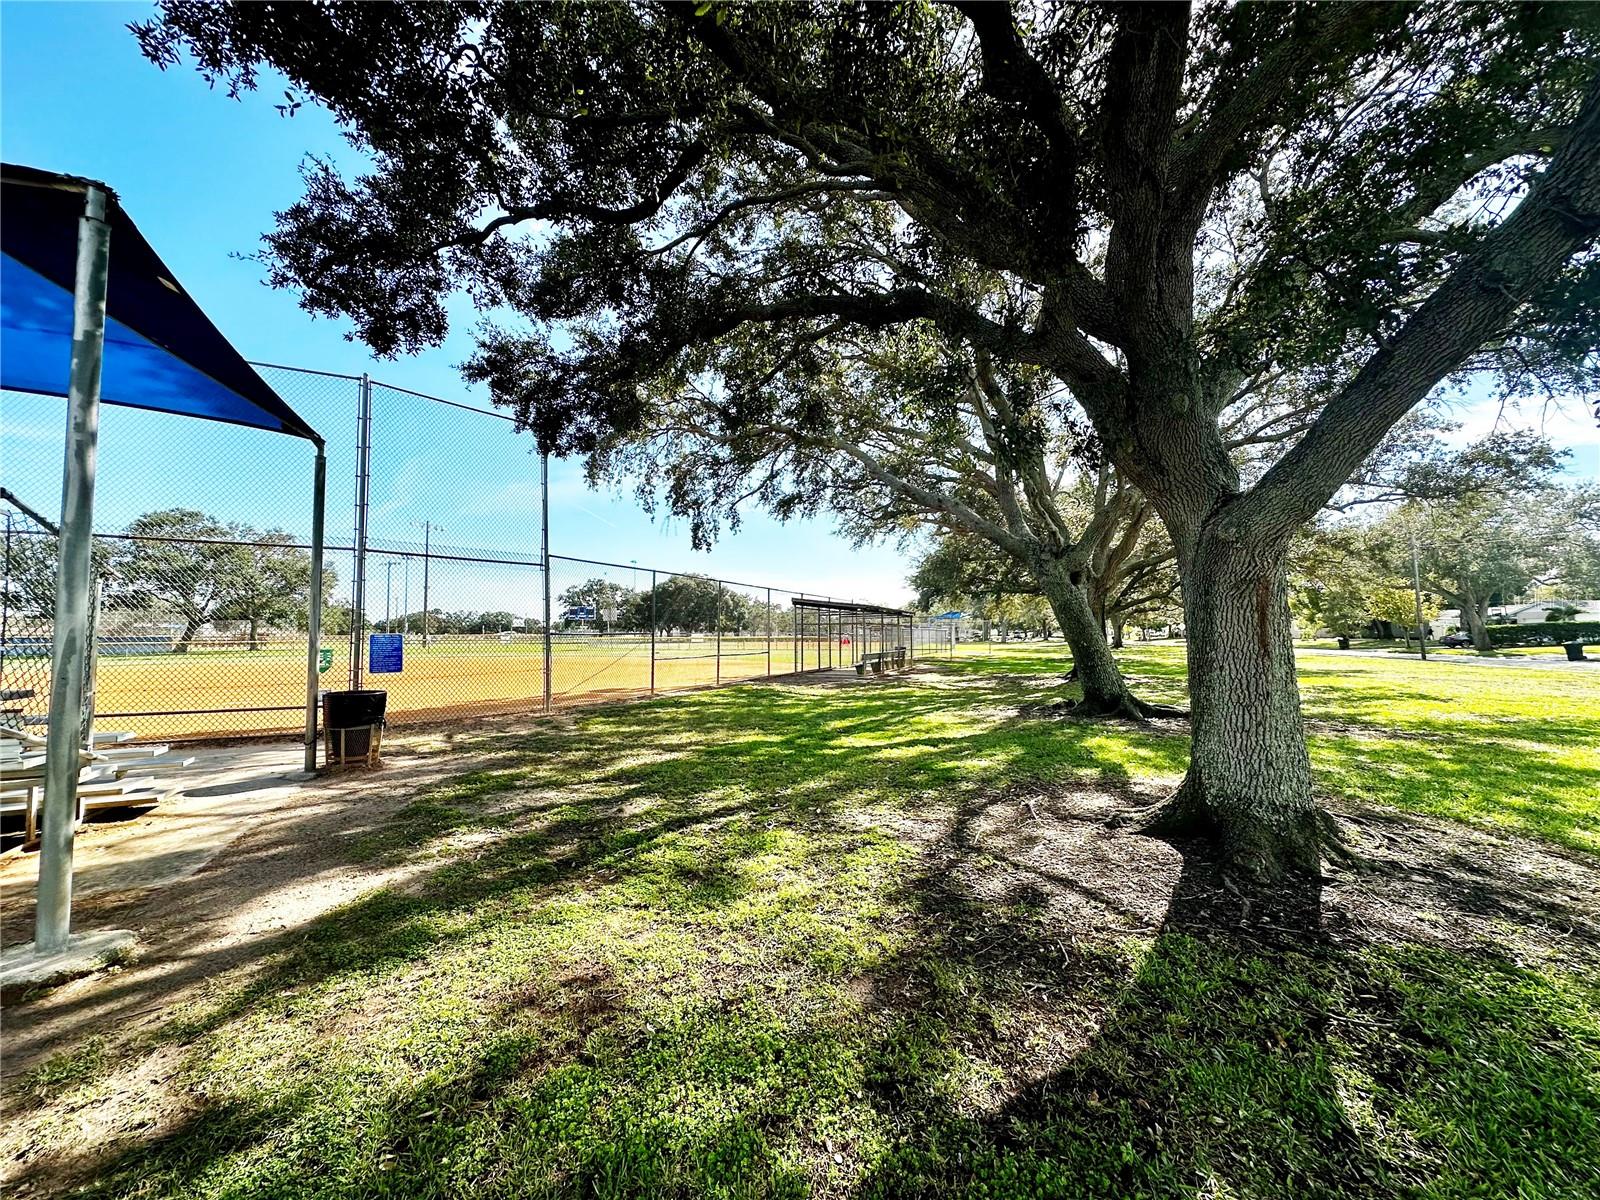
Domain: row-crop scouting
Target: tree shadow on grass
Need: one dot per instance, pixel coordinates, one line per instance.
(1256, 1048)
(543, 1006)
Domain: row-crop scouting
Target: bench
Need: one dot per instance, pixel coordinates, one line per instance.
(882, 660)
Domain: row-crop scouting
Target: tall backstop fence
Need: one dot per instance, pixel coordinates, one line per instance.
(433, 555)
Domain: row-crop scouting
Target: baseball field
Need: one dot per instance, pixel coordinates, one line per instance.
(233, 691)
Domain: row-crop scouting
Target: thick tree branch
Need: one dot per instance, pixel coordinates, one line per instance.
(1012, 75)
(1559, 217)
(1244, 103)
(567, 208)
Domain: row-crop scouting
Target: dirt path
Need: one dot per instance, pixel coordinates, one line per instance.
(208, 886)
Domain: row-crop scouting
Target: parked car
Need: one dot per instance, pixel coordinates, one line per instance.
(1456, 639)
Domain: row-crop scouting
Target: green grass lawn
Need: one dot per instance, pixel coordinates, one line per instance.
(776, 941)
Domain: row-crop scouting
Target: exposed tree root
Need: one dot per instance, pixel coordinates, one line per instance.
(1252, 849)
(1127, 706)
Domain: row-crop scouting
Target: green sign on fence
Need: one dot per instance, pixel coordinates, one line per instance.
(324, 660)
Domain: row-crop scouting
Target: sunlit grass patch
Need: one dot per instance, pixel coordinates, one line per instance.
(728, 945)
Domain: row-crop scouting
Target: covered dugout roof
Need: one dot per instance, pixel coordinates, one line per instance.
(161, 351)
(846, 606)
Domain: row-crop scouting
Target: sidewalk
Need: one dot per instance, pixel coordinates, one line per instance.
(1550, 662)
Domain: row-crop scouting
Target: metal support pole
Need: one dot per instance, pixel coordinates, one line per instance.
(427, 551)
(74, 570)
(652, 632)
(319, 496)
(5, 599)
(719, 630)
(769, 633)
(544, 556)
(358, 590)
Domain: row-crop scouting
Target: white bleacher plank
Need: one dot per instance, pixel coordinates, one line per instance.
(121, 753)
(106, 787)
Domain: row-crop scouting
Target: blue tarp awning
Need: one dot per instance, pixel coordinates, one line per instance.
(161, 351)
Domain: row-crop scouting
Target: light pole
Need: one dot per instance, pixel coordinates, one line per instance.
(405, 597)
(388, 596)
(428, 528)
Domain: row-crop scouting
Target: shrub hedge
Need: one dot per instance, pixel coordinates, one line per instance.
(1536, 632)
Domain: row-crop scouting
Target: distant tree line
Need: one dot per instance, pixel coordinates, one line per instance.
(181, 563)
(1488, 524)
(686, 604)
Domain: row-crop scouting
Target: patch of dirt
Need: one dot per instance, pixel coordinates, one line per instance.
(1060, 851)
(241, 907)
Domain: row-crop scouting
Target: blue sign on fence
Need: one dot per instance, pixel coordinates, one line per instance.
(385, 653)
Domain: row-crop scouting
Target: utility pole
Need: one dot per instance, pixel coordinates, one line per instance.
(428, 529)
(544, 560)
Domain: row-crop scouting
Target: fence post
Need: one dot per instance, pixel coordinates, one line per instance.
(544, 554)
(769, 633)
(319, 493)
(652, 632)
(358, 588)
(719, 630)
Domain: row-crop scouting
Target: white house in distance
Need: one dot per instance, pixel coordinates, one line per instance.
(1522, 613)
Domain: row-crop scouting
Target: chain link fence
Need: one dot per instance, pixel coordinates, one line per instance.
(202, 550)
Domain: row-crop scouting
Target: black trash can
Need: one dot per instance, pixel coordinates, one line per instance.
(1574, 651)
(352, 723)
(1344, 642)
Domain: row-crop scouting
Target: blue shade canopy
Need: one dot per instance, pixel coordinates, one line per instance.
(161, 352)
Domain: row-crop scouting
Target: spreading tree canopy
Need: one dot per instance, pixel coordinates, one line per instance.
(1172, 209)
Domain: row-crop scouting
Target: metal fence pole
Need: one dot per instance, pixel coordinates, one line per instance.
(358, 589)
(319, 495)
(544, 552)
(769, 633)
(652, 632)
(719, 630)
(74, 578)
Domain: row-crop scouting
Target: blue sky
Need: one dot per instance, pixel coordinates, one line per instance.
(202, 176)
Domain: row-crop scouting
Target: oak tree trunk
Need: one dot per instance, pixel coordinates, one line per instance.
(1249, 781)
(1472, 617)
(191, 626)
(1105, 693)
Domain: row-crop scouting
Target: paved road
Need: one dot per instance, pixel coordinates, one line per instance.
(1551, 662)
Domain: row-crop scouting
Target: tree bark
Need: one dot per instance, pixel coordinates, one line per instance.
(1249, 781)
(255, 640)
(191, 626)
(1105, 693)
(1472, 617)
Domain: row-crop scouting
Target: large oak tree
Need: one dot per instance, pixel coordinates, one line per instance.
(1174, 200)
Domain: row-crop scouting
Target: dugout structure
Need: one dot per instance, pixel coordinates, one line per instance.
(844, 633)
(89, 312)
